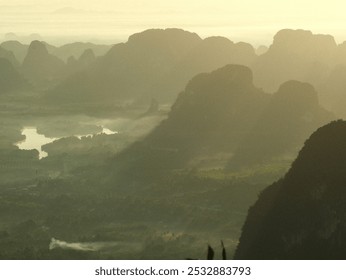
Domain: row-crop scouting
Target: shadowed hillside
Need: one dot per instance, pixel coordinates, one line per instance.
(86, 59)
(10, 79)
(9, 56)
(209, 118)
(18, 49)
(302, 216)
(295, 55)
(40, 67)
(152, 64)
(291, 116)
(78, 48)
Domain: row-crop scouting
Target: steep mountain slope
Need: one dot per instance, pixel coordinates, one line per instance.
(78, 48)
(18, 49)
(10, 79)
(152, 64)
(295, 55)
(74, 65)
(9, 56)
(334, 90)
(213, 53)
(209, 117)
(291, 116)
(40, 67)
(303, 216)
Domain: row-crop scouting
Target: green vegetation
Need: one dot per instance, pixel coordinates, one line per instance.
(194, 146)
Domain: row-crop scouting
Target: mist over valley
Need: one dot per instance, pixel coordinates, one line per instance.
(155, 147)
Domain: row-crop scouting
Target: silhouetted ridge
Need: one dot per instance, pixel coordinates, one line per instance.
(298, 93)
(216, 100)
(9, 56)
(87, 57)
(295, 55)
(77, 49)
(18, 49)
(323, 157)
(291, 116)
(170, 39)
(212, 53)
(37, 49)
(210, 116)
(155, 63)
(74, 65)
(303, 216)
(40, 67)
(303, 41)
(222, 79)
(10, 79)
(136, 70)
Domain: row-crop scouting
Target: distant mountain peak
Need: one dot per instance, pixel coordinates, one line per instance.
(10, 79)
(37, 47)
(168, 36)
(40, 67)
(222, 78)
(299, 38)
(298, 92)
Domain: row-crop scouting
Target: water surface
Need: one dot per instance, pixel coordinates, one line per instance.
(34, 141)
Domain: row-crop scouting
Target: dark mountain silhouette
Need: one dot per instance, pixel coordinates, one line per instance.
(153, 64)
(50, 48)
(130, 70)
(18, 49)
(40, 67)
(291, 116)
(339, 56)
(209, 117)
(295, 55)
(9, 56)
(77, 49)
(302, 216)
(87, 57)
(83, 62)
(63, 52)
(10, 79)
(212, 53)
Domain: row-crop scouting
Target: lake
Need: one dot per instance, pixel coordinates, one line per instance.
(35, 141)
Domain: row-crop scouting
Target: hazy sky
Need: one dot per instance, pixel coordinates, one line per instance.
(114, 20)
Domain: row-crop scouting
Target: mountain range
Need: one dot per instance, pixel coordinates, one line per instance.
(222, 115)
(158, 63)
